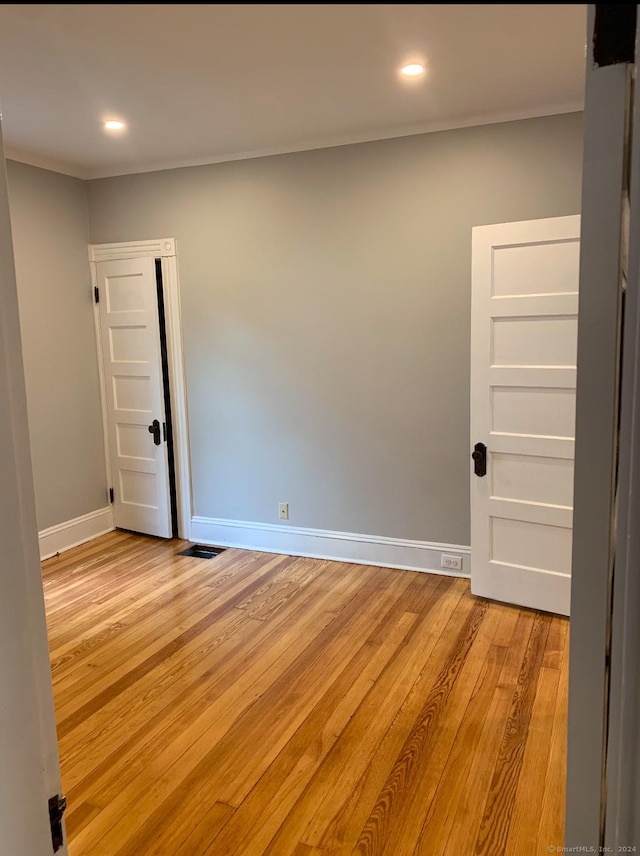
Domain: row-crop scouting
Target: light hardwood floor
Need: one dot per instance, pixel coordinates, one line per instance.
(259, 704)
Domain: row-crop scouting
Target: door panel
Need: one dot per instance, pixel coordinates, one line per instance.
(533, 411)
(518, 269)
(130, 336)
(548, 481)
(534, 341)
(523, 376)
(520, 543)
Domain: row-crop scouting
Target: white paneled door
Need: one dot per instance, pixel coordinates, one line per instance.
(132, 364)
(523, 380)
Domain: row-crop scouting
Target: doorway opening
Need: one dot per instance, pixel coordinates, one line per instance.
(140, 362)
(164, 359)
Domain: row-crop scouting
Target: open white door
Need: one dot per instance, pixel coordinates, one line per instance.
(132, 365)
(523, 378)
(29, 770)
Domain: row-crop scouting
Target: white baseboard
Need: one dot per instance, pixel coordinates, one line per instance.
(69, 534)
(324, 544)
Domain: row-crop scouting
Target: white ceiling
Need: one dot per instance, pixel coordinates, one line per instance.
(200, 83)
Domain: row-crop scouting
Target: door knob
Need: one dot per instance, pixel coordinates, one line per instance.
(479, 456)
(154, 429)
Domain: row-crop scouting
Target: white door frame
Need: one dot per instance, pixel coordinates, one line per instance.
(605, 142)
(165, 249)
(623, 748)
(30, 770)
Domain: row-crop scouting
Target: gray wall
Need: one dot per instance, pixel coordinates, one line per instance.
(50, 236)
(326, 301)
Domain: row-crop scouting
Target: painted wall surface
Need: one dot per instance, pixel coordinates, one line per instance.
(50, 236)
(326, 305)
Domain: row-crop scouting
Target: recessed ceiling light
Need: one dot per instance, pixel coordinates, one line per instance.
(413, 69)
(114, 125)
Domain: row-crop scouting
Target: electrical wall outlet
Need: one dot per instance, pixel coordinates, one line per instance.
(452, 563)
(283, 510)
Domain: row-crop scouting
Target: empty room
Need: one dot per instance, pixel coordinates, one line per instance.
(295, 306)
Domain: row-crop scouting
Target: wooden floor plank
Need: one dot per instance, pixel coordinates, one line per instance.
(443, 805)
(260, 815)
(396, 819)
(262, 705)
(76, 708)
(340, 833)
(245, 659)
(525, 817)
(267, 801)
(556, 643)
(220, 694)
(552, 811)
(498, 809)
(215, 747)
(484, 751)
(389, 707)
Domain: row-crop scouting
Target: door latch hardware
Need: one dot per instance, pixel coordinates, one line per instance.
(57, 807)
(154, 429)
(479, 456)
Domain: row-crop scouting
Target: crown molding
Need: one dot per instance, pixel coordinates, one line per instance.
(43, 161)
(346, 140)
(97, 172)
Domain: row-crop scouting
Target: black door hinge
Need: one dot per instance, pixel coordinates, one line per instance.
(111, 495)
(57, 807)
(614, 33)
(96, 294)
